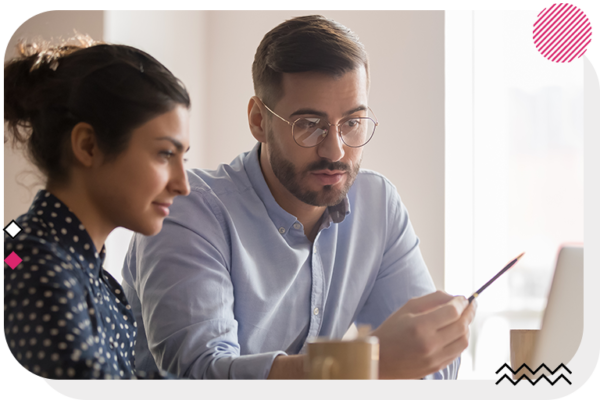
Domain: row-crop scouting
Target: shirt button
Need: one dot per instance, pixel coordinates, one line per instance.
(316, 311)
(282, 230)
(297, 225)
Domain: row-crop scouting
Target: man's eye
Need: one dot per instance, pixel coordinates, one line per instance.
(306, 123)
(353, 123)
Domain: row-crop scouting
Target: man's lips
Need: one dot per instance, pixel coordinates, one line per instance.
(328, 177)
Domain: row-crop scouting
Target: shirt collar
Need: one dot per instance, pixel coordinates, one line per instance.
(66, 229)
(280, 217)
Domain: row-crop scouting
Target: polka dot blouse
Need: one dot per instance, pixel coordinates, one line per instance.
(64, 316)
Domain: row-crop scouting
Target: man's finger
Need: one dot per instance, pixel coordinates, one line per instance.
(444, 314)
(425, 303)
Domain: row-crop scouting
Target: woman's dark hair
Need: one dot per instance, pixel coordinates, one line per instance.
(302, 44)
(114, 88)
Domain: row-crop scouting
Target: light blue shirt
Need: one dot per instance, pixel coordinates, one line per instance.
(231, 281)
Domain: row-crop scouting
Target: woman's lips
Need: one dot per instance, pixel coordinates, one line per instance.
(162, 208)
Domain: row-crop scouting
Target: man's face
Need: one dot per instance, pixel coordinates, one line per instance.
(320, 175)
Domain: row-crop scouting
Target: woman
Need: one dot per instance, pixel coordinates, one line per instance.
(108, 126)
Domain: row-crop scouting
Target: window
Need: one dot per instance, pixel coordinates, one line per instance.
(514, 173)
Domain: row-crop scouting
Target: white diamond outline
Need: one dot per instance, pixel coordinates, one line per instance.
(12, 227)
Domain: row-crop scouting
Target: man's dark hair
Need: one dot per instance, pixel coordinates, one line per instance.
(302, 44)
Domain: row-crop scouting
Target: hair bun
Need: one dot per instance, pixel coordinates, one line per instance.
(47, 53)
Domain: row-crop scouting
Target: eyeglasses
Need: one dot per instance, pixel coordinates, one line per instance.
(310, 131)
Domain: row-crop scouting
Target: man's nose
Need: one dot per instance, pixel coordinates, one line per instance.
(332, 147)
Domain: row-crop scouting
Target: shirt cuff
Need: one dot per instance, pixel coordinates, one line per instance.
(251, 366)
(450, 372)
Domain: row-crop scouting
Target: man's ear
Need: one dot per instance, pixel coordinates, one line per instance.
(256, 119)
(84, 145)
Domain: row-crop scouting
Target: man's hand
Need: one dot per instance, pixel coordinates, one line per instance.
(424, 336)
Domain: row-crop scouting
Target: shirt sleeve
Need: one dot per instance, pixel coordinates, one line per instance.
(403, 274)
(184, 285)
(46, 319)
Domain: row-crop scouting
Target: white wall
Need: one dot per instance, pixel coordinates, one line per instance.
(212, 53)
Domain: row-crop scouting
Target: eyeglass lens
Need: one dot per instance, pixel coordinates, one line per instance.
(355, 132)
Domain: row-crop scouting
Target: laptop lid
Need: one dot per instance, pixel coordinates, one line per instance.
(562, 324)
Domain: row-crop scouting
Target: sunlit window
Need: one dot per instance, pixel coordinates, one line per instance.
(526, 177)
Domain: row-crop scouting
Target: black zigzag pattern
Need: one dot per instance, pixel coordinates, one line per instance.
(533, 373)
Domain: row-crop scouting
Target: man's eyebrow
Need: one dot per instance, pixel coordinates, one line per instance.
(175, 142)
(310, 111)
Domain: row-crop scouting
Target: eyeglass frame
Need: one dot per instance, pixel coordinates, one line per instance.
(328, 129)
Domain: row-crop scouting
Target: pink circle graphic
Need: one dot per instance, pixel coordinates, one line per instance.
(562, 33)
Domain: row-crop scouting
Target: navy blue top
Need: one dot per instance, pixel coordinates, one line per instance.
(64, 315)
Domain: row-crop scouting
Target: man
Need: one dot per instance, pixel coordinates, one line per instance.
(292, 240)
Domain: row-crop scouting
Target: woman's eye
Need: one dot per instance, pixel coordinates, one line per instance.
(167, 154)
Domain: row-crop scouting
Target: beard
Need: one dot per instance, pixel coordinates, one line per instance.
(291, 179)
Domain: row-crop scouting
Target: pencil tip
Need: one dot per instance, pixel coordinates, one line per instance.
(521, 255)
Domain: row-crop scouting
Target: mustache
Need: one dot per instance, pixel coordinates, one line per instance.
(324, 164)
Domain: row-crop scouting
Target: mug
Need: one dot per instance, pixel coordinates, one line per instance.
(343, 359)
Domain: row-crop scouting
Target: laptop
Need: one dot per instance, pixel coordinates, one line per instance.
(562, 324)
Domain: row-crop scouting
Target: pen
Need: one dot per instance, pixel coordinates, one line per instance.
(488, 283)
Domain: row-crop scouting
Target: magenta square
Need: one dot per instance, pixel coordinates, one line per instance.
(13, 260)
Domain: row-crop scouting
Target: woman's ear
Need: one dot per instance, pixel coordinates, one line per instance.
(256, 119)
(84, 144)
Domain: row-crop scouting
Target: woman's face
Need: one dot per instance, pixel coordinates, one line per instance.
(136, 189)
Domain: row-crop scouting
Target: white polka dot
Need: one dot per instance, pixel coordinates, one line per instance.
(39, 329)
(44, 204)
(39, 303)
(47, 342)
(54, 357)
(68, 219)
(63, 231)
(62, 346)
(41, 353)
(54, 331)
(57, 205)
(40, 212)
(81, 227)
(58, 371)
(53, 215)
(46, 317)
